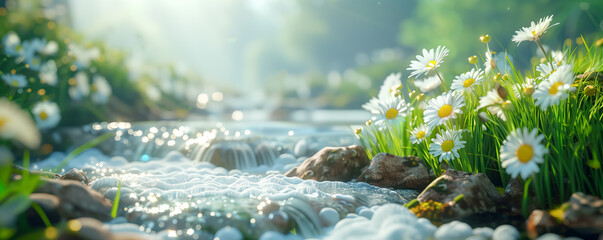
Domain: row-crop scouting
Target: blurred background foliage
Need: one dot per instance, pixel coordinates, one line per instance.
(331, 54)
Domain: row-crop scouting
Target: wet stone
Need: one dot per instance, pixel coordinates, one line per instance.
(540, 222)
(77, 200)
(584, 214)
(391, 171)
(332, 164)
(75, 175)
(463, 193)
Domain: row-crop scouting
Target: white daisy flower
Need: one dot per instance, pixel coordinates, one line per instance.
(555, 88)
(390, 86)
(389, 110)
(47, 114)
(524, 89)
(30, 48)
(83, 56)
(11, 44)
(521, 152)
(466, 81)
(545, 69)
(51, 48)
(489, 64)
(81, 87)
(101, 90)
(493, 102)
(558, 57)
(17, 124)
(428, 84)
(429, 61)
(419, 134)
(15, 80)
(447, 145)
(441, 109)
(48, 73)
(534, 31)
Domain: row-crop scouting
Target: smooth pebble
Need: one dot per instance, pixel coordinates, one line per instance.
(454, 230)
(505, 232)
(228, 233)
(329, 216)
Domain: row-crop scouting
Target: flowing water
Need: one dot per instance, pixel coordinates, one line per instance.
(190, 180)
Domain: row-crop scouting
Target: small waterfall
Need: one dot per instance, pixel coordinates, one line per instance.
(235, 154)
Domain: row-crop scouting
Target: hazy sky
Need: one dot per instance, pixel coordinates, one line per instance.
(209, 37)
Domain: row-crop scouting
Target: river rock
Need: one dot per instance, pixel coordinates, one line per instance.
(75, 175)
(49, 204)
(391, 171)
(332, 164)
(584, 214)
(77, 200)
(512, 198)
(478, 193)
(540, 222)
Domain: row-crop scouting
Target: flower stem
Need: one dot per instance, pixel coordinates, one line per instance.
(441, 80)
(543, 52)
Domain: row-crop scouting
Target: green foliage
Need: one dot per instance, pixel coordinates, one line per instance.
(116, 201)
(572, 130)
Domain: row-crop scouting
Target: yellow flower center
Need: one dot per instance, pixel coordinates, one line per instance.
(445, 111)
(431, 64)
(391, 113)
(533, 33)
(447, 145)
(421, 134)
(3, 121)
(358, 130)
(15, 83)
(467, 83)
(528, 91)
(43, 115)
(555, 88)
(524, 153)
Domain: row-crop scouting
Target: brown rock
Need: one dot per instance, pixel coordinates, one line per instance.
(49, 205)
(387, 170)
(332, 164)
(478, 193)
(77, 200)
(511, 201)
(584, 214)
(540, 222)
(75, 175)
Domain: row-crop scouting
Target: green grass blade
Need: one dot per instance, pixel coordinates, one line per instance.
(116, 201)
(82, 148)
(41, 213)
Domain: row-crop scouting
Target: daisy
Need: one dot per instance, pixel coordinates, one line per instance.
(545, 69)
(521, 152)
(558, 57)
(48, 73)
(429, 61)
(428, 84)
(47, 114)
(442, 108)
(390, 86)
(84, 56)
(17, 124)
(101, 90)
(534, 31)
(30, 48)
(447, 145)
(15, 80)
(12, 44)
(524, 89)
(51, 48)
(419, 134)
(493, 102)
(390, 110)
(489, 64)
(80, 87)
(466, 81)
(555, 88)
